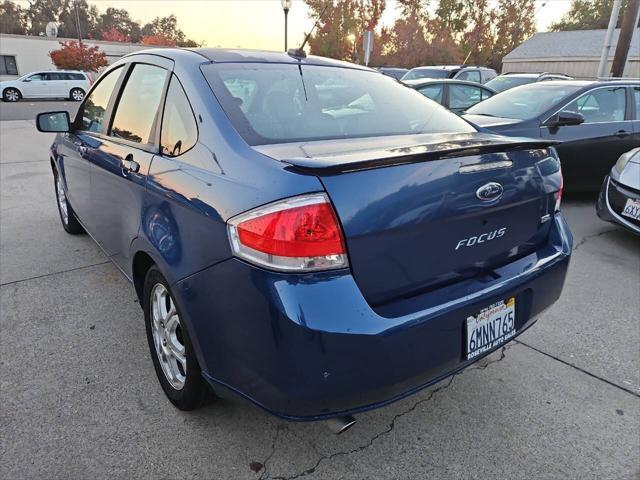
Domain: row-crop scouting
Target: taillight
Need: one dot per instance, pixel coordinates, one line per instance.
(295, 235)
(559, 193)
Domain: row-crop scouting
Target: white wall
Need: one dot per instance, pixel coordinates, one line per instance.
(32, 53)
(586, 68)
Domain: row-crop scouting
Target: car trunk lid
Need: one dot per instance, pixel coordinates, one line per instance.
(421, 212)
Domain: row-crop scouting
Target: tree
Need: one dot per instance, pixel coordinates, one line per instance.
(587, 15)
(114, 35)
(78, 56)
(339, 31)
(166, 29)
(12, 18)
(67, 20)
(515, 22)
(41, 12)
(118, 19)
(158, 40)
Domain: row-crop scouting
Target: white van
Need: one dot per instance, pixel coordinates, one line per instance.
(71, 84)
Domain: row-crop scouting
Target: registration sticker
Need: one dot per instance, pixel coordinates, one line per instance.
(491, 327)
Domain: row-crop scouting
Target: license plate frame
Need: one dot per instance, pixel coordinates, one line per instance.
(631, 209)
(490, 327)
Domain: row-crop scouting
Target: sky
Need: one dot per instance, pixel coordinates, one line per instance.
(260, 23)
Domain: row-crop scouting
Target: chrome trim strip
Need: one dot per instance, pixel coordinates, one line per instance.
(482, 167)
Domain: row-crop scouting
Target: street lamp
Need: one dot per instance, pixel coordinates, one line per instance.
(286, 5)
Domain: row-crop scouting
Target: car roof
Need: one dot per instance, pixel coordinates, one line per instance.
(226, 55)
(430, 81)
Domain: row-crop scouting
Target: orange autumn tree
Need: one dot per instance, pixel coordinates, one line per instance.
(158, 40)
(78, 56)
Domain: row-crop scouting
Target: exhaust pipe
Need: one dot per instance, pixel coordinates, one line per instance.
(338, 425)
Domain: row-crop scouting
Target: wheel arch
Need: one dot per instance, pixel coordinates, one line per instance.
(142, 262)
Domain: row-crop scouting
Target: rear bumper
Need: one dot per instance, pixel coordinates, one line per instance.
(308, 347)
(611, 202)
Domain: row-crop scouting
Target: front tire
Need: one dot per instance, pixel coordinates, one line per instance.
(11, 94)
(67, 216)
(76, 94)
(171, 349)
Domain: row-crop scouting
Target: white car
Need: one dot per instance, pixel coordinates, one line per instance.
(71, 84)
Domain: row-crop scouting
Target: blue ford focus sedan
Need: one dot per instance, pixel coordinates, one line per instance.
(303, 233)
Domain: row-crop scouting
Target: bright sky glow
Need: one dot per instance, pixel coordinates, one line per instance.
(260, 23)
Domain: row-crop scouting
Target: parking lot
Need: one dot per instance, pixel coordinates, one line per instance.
(80, 399)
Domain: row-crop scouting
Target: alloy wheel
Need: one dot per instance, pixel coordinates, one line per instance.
(12, 95)
(77, 95)
(167, 336)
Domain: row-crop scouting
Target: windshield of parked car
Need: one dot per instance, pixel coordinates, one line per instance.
(525, 102)
(502, 83)
(418, 73)
(278, 103)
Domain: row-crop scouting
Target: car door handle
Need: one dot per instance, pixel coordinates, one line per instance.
(129, 164)
(622, 133)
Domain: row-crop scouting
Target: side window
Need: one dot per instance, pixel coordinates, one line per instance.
(471, 75)
(601, 105)
(434, 92)
(636, 96)
(463, 96)
(93, 109)
(37, 77)
(55, 76)
(137, 109)
(179, 128)
(486, 94)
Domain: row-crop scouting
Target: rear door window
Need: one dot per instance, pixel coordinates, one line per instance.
(434, 92)
(92, 111)
(464, 96)
(636, 96)
(601, 105)
(137, 109)
(179, 128)
(471, 75)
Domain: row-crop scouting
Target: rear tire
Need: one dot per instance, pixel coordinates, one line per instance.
(76, 94)
(11, 94)
(170, 346)
(67, 216)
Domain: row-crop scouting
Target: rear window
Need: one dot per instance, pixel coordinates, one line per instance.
(279, 103)
(500, 84)
(418, 73)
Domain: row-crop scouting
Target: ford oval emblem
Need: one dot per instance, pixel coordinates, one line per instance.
(490, 191)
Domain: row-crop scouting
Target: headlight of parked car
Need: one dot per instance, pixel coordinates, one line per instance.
(623, 160)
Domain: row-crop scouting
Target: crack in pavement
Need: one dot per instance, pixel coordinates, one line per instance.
(265, 467)
(586, 372)
(389, 428)
(586, 238)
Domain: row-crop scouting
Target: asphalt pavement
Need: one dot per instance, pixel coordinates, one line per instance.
(28, 109)
(79, 398)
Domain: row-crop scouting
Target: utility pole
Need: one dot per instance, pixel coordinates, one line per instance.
(75, 6)
(629, 22)
(608, 38)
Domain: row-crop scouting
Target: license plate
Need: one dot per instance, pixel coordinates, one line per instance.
(632, 209)
(491, 327)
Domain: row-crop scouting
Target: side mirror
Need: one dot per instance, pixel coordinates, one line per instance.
(563, 118)
(53, 122)
(26, 79)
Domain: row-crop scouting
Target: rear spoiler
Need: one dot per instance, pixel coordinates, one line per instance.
(379, 158)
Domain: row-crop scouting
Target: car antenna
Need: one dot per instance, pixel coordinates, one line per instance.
(299, 52)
